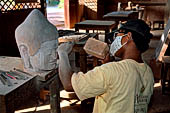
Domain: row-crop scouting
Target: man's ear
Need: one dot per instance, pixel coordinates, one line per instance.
(129, 35)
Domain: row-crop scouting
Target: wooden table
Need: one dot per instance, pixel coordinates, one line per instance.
(13, 97)
(121, 15)
(87, 25)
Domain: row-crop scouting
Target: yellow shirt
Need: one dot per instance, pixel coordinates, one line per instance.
(119, 87)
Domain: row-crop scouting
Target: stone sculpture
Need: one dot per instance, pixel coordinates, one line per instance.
(37, 40)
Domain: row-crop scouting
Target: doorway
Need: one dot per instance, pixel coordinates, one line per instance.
(55, 13)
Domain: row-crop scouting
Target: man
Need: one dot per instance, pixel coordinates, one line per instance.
(118, 87)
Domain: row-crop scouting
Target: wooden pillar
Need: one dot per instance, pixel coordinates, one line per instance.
(70, 13)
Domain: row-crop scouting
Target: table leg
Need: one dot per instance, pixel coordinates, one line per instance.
(87, 31)
(55, 96)
(83, 61)
(76, 28)
(106, 33)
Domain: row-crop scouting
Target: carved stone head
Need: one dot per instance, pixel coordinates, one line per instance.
(37, 40)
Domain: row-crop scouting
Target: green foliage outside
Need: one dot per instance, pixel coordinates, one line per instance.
(61, 4)
(53, 2)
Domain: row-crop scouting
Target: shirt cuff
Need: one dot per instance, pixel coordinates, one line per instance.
(75, 85)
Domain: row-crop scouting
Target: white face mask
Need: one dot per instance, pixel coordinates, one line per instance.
(116, 44)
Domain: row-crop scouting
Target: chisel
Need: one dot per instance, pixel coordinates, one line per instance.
(3, 81)
(6, 79)
(17, 75)
(25, 73)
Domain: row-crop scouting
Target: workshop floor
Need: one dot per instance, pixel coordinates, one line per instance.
(159, 104)
(37, 106)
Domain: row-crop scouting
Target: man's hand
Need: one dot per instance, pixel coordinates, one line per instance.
(65, 47)
(106, 59)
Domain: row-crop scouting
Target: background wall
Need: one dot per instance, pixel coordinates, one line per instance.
(79, 10)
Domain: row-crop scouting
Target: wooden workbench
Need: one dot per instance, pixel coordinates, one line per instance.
(11, 97)
(14, 96)
(87, 25)
(121, 15)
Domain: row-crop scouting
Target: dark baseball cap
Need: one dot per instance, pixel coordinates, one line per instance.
(138, 26)
(140, 33)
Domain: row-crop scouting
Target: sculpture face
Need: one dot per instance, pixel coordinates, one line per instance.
(37, 40)
(25, 55)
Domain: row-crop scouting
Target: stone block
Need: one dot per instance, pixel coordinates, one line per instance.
(96, 48)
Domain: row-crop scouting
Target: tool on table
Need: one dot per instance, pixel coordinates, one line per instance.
(18, 75)
(3, 81)
(15, 75)
(25, 73)
(10, 76)
(7, 81)
(5, 73)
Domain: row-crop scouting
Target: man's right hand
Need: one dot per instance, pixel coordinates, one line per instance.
(106, 59)
(65, 47)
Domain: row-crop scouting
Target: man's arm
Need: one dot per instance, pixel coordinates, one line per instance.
(65, 70)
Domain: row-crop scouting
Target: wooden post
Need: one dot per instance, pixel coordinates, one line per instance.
(55, 95)
(70, 13)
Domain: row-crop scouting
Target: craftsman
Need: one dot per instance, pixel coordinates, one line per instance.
(118, 87)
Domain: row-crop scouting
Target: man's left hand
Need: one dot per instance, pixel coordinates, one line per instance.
(65, 47)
